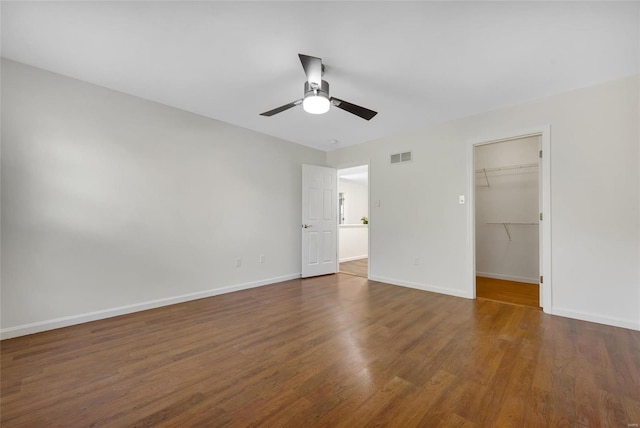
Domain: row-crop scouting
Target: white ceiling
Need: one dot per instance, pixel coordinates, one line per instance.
(416, 63)
(356, 174)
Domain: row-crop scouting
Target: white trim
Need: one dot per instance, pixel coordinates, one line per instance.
(350, 259)
(544, 131)
(22, 330)
(546, 295)
(369, 220)
(587, 316)
(423, 287)
(507, 277)
(347, 226)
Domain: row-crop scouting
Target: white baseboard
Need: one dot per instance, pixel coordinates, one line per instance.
(568, 313)
(508, 277)
(424, 287)
(586, 316)
(350, 259)
(22, 330)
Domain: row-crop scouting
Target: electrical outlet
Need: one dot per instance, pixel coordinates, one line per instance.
(461, 199)
(261, 258)
(238, 262)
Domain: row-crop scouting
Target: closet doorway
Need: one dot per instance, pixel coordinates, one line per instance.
(507, 220)
(353, 220)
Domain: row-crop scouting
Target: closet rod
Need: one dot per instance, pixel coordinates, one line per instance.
(505, 168)
(509, 223)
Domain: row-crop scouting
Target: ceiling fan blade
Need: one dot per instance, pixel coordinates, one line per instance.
(312, 68)
(281, 108)
(364, 113)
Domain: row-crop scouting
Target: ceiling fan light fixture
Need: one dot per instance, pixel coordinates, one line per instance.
(316, 98)
(316, 104)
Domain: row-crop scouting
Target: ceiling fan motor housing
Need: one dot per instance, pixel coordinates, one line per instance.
(323, 90)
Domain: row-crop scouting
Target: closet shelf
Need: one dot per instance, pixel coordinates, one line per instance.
(506, 225)
(503, 168)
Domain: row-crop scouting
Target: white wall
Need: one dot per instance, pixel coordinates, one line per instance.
(353, 242)
(353, 235)
(111, 203)
(419, 233)
(511, 196)
(356, 201)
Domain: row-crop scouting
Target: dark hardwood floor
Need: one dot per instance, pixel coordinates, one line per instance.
(356, 267)
(331, 351)
(518, 293)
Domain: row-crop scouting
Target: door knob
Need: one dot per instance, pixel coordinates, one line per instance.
(306, 226)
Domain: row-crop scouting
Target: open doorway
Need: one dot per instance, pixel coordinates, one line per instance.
(507, 220)
(353, 220)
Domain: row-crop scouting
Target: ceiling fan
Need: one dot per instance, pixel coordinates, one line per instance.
(316, 98)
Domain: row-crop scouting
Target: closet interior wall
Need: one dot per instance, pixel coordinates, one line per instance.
(507, 209)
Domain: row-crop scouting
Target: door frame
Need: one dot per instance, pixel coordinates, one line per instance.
(544, 131)
(351, 165)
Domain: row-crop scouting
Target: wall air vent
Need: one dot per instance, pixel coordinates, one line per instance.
(401, 157)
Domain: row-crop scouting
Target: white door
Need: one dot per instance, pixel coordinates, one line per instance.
(319, 220)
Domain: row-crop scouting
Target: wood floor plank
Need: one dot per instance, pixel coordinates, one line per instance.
(518, 293)
(337, 350)
(355, 267)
